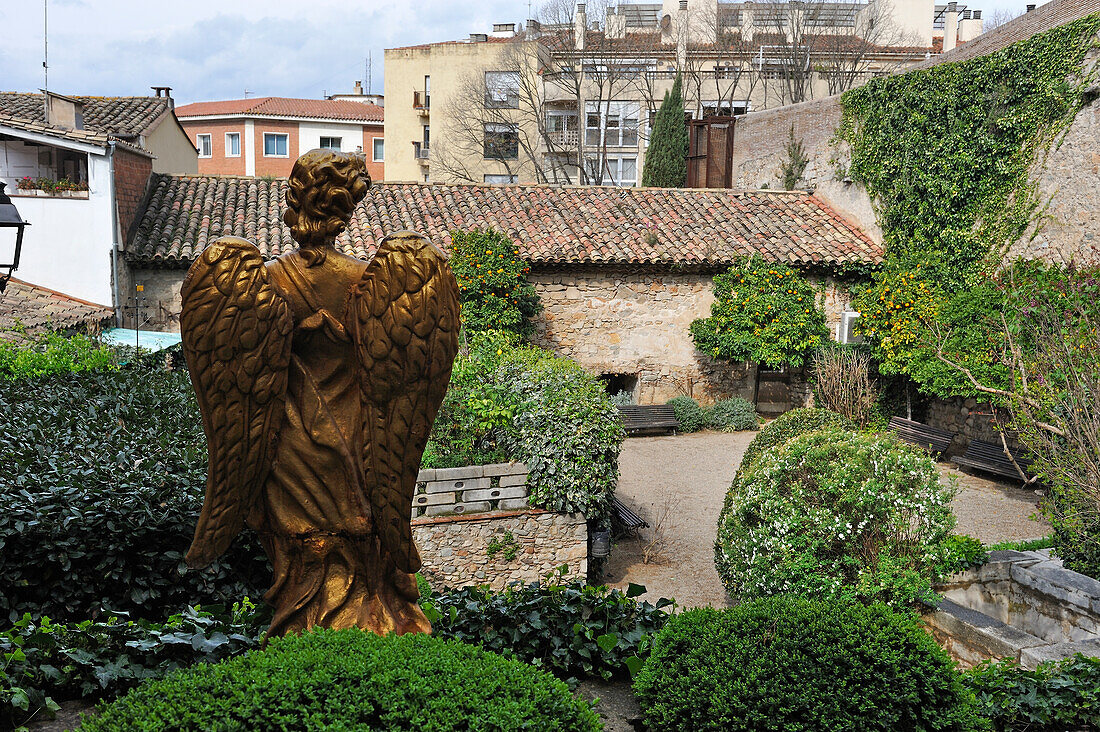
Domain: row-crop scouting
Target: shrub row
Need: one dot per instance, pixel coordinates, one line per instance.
(572, 630)
(101, 480)
(728, 415)
(348, 680)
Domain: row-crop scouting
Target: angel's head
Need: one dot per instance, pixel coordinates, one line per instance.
(324, 188)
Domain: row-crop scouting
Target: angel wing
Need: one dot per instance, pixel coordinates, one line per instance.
(236, 329)
(403, 315)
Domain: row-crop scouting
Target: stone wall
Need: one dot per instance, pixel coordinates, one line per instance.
(473, 525)
(1019, 605)
(614, 320)
(968, 419)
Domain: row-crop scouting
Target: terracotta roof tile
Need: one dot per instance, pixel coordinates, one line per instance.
(120, 116)
(285, 107)
(38, 309)
(551, 225)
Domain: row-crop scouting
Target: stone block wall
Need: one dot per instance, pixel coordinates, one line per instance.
(474, 526)
(1020, 605)
(615, 320)
(969, 419)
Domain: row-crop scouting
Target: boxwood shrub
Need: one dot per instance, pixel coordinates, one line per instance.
(101, 481)
(835, 514)
(791, 424)
(788, 663)
(353, 680)
(689, 414)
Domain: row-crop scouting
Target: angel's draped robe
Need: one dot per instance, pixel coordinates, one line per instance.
(329, 566)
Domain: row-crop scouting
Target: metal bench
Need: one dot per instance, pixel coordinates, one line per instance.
(625, 520)
(915, 433)
(992, 459)
(648, 419)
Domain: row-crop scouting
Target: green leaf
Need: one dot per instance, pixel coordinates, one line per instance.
(635, 590)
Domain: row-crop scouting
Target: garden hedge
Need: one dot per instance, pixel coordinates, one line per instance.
(348, 679)
(833, 513)
(789, 663)
(101, 481)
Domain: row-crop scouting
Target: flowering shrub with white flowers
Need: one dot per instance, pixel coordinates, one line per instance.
(835, 514)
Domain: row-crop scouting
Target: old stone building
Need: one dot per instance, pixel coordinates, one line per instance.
(621, 272)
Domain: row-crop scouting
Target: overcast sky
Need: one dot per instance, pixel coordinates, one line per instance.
(205, 49)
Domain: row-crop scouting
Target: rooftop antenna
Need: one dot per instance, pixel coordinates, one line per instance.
(368, 71)
(45, 51)
(246, 93)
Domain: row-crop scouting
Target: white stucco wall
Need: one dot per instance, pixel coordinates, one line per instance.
(310, 134)
(67, 247)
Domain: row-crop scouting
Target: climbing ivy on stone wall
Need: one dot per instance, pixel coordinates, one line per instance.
(947, 153)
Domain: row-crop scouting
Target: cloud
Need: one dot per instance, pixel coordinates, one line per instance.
(281, 49)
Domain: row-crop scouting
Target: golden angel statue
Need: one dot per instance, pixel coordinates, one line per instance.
(319, 377)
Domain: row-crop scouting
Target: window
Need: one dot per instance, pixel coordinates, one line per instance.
(621, 172)
(619, 123)
(232, 144)
(501, 142)
(379, 149)
(202, 142)
(427, 136)
(501, 179)
(724, 109)
(502, 89)
(276, 145)
(330, 143)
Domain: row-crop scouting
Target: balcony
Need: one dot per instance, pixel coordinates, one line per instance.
(422, 102)
(563, 139)
(420, 152)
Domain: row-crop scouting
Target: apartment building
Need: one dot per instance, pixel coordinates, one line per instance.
(572, 101)
(263, 136)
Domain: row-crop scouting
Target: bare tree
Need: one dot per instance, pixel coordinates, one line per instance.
(998, 17)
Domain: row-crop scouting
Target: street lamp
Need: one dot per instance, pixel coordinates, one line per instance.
(10, 219)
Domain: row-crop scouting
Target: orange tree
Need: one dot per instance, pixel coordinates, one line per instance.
(764, 312)
(492, 282)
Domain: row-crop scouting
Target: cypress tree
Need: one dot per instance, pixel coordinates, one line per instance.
(666, 158)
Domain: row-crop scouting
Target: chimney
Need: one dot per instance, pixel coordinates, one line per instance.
(64, 112)
(479, 37)
(1030, 7)
(682, 32)
(504, 30)
(358, 89)
(165, 91)
(580, 27)
(971, 25)
(534, 28)
(951, 27)
(615, 24)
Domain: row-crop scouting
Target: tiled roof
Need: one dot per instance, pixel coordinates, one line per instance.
(119, 116)
(285, 107)
(39, 309)
(550, 224)
(85, 136)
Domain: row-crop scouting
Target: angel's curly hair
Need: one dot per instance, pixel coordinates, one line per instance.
(323, 190)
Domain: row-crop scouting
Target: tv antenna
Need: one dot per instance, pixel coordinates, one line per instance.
(45, 45)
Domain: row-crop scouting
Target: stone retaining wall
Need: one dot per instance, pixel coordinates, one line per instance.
(474, 526)
(1020, 605)
(968, 419)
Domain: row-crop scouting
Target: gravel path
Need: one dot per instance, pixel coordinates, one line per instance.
(685, 478)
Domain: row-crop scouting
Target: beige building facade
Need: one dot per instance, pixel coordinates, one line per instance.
(573, 101)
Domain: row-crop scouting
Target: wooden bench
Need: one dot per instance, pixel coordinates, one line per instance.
(647, 419)
(991, 458)
(625, 520)
(915, 433)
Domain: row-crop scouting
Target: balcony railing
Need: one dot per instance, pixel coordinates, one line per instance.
(422, 101)
(420, 150)
(565, 139)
